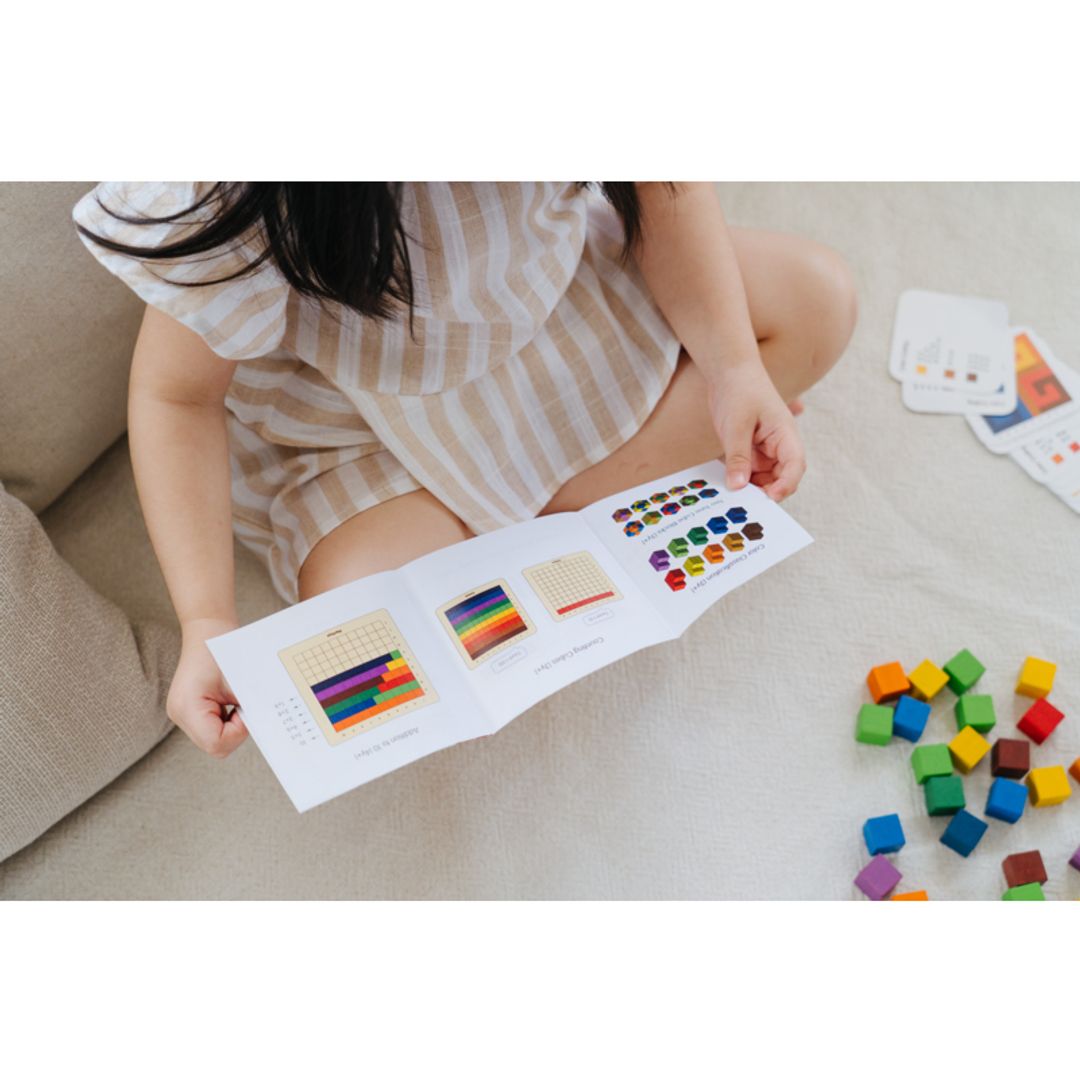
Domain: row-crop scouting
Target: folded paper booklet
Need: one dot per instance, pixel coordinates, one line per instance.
(344, 687)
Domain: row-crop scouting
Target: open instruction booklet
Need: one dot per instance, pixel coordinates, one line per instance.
(349, 685)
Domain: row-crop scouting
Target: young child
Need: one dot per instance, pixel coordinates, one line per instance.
(413, 364)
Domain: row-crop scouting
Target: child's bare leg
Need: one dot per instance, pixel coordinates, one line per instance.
(802, 306)
(383, 538)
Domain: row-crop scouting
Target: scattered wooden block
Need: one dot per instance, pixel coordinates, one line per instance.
(1036, 678)
(1024, 868)
(964, 671)
(927, 680)
(968, 749)
(1011, 758)
(1048, 786)
(887, 682)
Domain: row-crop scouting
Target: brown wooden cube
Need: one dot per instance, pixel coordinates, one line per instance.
(1011, 758)
(1024, 868)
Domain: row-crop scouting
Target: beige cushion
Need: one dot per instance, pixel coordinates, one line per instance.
(81, 688)
(66, 339)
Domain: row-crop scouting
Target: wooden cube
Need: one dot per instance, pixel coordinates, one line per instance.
(968, 749)
(1024, 868)
(927, 681)
(887, 682)
(1048, 786)
(1036, 678)
(1011, 758)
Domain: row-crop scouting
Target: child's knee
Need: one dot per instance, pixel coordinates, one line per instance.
(831, 285)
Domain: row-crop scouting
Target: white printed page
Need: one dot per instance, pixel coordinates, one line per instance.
(529, 609)
(687, 541)
(346, 687)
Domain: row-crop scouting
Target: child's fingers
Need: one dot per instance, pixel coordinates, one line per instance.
(738, 450)
(202, 722)
(790, 468)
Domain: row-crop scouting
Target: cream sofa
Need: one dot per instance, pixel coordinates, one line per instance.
(722, 765)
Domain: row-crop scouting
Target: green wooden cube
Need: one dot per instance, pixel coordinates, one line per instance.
(931, 760)
(964, 672)
(874, 725)
(975, 710)
(1032, 891)
(944, 795)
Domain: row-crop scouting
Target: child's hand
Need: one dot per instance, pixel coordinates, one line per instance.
(757, 430)
(199, 698)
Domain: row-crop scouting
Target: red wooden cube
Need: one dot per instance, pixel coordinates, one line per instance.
(1040, 720)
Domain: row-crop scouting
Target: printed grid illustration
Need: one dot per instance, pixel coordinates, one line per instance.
(1038, 389)
(484, 621)
(357, 676)
(571, 584)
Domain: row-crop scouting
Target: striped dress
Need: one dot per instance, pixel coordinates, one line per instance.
(534, 353)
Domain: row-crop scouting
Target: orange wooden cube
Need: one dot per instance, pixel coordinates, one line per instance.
(887, 681)
(1074, 770)
(919, 894)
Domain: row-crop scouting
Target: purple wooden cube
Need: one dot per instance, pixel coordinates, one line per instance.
(878, 878)
(1075, 860)
(660, 560)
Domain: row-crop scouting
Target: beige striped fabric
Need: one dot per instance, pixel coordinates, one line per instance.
(534, 353)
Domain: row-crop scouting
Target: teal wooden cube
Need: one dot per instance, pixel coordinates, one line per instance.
(931, 760)
(874, 725)
(975, 710)
(964, 671)
(944, 795)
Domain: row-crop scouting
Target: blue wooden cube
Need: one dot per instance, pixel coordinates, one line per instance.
(964, 833)
(1006, 800)
(883, 834)
(909, 717)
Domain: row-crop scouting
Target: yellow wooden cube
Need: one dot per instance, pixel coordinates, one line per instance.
(927, 680)
(968, 749)
(1048, 786)
(1036, 678)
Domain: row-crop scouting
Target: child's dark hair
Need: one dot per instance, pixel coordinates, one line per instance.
(337, 242)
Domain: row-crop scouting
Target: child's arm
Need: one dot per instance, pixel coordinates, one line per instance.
(688, 261)
(179, 451)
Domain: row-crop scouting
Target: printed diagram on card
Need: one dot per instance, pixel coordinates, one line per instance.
(1046, 396)
(571, 585)
(484, 621)
(955, 341)
(357, 676)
